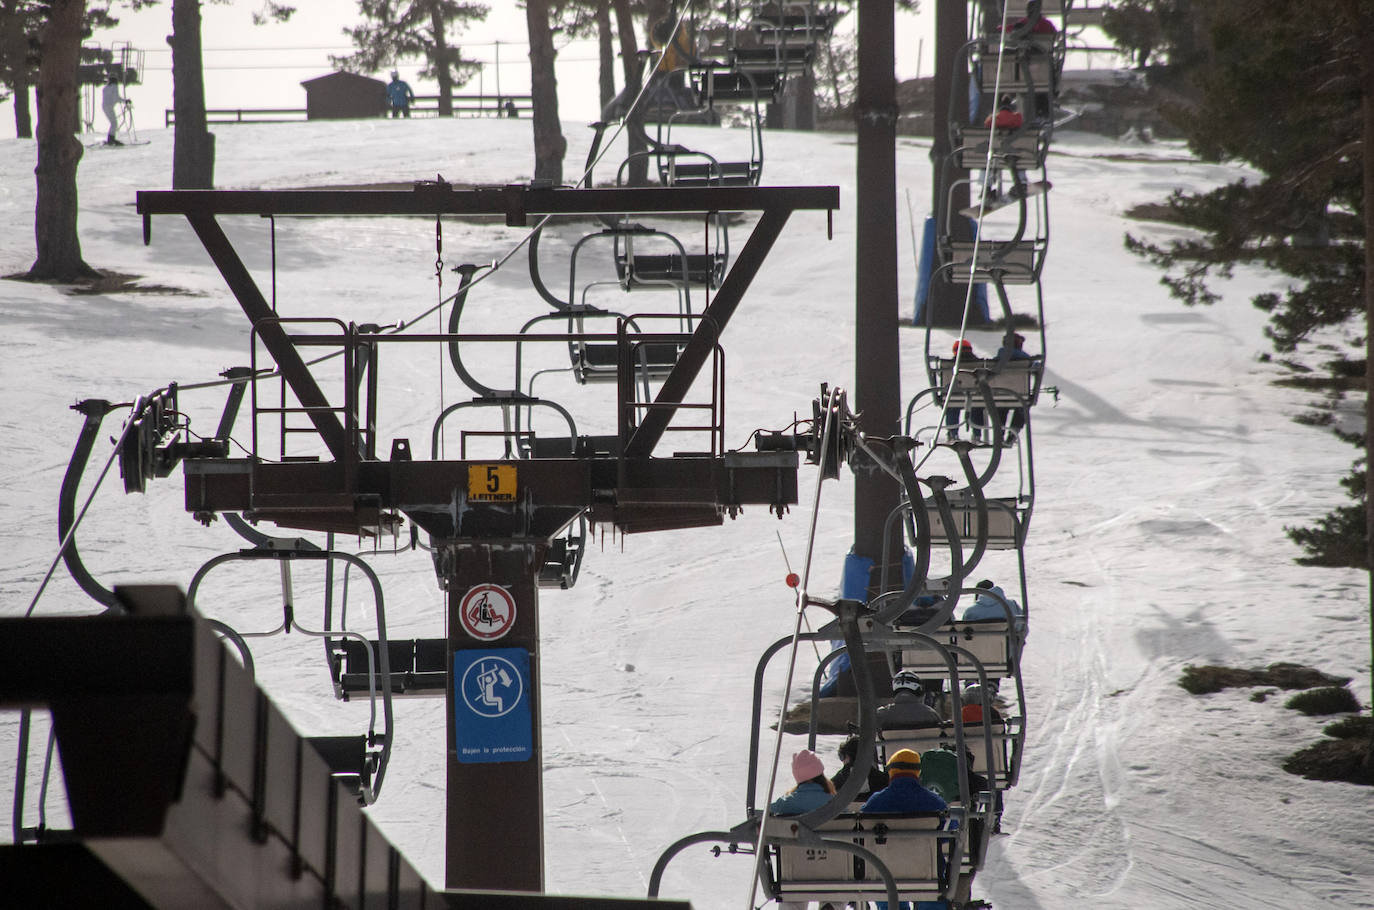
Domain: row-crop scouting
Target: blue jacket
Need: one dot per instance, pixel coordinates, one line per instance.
(904, 794)
(808, 795)
(987, 608)
(399, 93)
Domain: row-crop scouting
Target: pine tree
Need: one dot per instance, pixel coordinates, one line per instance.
(403, 29)
(1292, 96)
(1280, 93)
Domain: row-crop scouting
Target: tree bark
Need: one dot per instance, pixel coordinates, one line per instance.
(605, 38)
(15, 53)
(23, 122)
(549, 144)
(806, 99)
(59, 149)
(441, 63)
(637, 174)
(193, 146)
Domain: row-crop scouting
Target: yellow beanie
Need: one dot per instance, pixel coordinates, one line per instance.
(904, 761)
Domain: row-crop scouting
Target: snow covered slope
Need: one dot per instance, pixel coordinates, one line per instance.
(1166, 474)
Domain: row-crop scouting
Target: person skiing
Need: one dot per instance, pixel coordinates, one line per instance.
(399, 95)
(109, 101)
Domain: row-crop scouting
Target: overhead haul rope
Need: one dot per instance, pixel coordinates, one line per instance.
(985, 184)
(71, 532)
(21, 763)
(650, 65)
(802, 601)
(439, 287)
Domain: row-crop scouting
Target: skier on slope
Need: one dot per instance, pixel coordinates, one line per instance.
(110, 99)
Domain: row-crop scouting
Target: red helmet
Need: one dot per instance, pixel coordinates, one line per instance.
(963, 346)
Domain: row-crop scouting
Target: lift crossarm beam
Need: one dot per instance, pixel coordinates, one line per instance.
(514, 202)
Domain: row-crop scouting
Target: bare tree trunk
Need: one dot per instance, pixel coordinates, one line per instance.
(806, 99)
(16, 52)
(441, 67)
(193, 146)
(23, 122)
(59, 150)
(549, 144)
(637, 174)
(605, 38)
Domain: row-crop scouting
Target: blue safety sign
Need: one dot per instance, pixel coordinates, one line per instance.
(493, 721)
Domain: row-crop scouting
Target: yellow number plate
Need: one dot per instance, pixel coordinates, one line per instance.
(491, 482)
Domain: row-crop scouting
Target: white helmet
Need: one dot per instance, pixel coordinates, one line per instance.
(905, 679)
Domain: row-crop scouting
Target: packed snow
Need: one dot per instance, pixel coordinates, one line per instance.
(1166, 472)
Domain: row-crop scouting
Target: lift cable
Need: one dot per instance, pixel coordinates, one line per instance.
(985, 183)
(495, 265)
(831, 412)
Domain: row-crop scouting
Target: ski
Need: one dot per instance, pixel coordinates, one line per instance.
(995, 200)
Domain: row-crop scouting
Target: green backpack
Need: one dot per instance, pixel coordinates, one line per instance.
(940, 773)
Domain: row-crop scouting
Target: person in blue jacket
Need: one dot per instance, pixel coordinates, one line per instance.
(812, 791)
(399, 96)
(904, 793)
(987, 607)
(1012, 419)
(813, 788)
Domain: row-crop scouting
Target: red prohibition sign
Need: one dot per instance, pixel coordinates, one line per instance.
(487, 612)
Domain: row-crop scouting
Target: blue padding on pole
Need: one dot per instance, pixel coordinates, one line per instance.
(926, 267)
(854, 578)
(854, 586)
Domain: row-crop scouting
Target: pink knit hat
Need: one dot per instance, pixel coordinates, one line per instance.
(806, 765)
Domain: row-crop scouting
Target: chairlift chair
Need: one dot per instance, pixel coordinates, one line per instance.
(680, 166)
(1010, 253)
(917, 850)
(640, 267)
(365, 771)
(787, 21)
(976, 147)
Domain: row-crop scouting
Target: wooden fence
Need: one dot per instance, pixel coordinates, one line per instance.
(423, 106)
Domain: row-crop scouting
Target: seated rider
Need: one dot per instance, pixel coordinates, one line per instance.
(849, 753)
(813, 788)
(904, 793)
(988, 607)
(908, 709)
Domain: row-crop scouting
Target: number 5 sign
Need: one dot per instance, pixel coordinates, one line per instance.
(491, 482)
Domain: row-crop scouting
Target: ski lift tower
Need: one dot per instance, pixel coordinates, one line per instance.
(490, 521)
(877, 377)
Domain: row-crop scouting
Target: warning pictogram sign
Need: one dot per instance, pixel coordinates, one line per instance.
(487, 612)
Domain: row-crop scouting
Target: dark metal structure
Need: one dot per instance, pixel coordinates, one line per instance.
(877, 378)
(187, 786)
(491, 521)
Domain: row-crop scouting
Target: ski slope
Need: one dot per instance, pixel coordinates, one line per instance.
(1166, 473)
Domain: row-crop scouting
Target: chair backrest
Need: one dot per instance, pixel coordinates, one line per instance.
(910, 850)
(810, 863)
(909, 846)
(973, 734)
(986, 641)
(1009, 383)
(917, 741)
